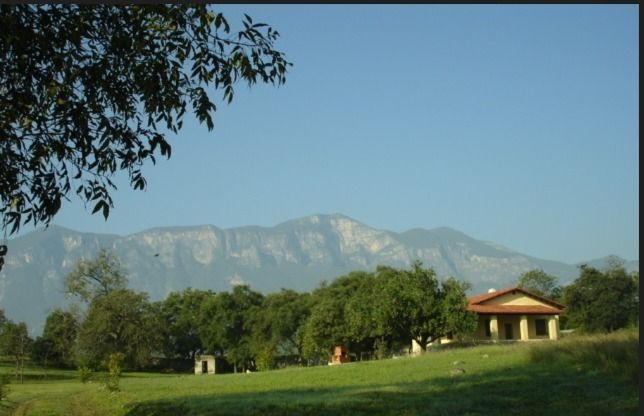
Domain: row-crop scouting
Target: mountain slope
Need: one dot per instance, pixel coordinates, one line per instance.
(297, 254)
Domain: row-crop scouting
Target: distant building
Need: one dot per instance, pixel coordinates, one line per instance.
(512, 314)
(339, 356)
(205, 364)
(515, 314)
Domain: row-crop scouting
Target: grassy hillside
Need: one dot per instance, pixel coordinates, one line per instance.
(518, 379)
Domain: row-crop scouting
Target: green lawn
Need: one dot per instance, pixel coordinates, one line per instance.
(502, 379)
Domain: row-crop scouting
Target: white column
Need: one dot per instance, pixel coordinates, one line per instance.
(523, 328)
(553, 327)
(494, 328)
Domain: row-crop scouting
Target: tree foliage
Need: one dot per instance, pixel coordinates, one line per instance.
(56, 345)
(602, 300)
(121, 322)
(226, 324)
(540, 283)
(459, 322)
(330, 322)
(15, 343)
(277, 329)
(385, 309)
(179, 316)
(98, 277)
(92, 90)
(419, 307)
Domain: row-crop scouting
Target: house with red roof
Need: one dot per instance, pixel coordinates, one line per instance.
(512, 314)
(515, 314)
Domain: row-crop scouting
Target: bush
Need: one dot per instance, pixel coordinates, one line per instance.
(265, 360)
(84, 373)
(113, 364)
(381, 351)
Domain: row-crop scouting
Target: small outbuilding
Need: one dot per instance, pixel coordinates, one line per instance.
(205, 364)
(339, 356)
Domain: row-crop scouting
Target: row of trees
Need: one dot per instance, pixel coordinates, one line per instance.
(372, 314)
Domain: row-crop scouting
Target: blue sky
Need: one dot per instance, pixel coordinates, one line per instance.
(513, 124)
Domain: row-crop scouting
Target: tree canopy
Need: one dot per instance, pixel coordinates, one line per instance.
(540, 283)
(179, 315)
(15, 343)
(384, 310)
(91, 90)
(603, 300)
(98, 277)
(56, 345)
(419, 307)
(122, 322)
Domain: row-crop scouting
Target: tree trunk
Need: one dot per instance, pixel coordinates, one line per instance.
(423, 343)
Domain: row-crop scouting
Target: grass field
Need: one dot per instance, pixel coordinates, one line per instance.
(576, 376)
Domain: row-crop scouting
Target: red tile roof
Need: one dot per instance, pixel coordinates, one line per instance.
(513, 309)
(475, 304)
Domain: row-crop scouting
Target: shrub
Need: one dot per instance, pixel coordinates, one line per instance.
(84, 373)
(265, 360)
(113, 364)
(380, 349)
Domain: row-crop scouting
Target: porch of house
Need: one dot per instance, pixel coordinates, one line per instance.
(517, 327)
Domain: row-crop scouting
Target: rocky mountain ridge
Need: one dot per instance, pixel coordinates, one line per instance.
(296, 254)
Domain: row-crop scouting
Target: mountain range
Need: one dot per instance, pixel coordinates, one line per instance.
(297, 254)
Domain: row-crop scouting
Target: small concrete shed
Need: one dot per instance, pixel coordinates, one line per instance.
(205, 364)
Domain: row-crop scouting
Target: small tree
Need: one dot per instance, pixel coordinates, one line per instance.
(56, 345)
(15, 342)
(84, 373)
(113, 364)
(42, 351)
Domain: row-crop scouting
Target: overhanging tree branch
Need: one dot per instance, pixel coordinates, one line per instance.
(84, 87)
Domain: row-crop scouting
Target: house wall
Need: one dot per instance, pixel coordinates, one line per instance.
(514, 299)
(515, 321)
(512, 320)
(479, 333)
(532, 326)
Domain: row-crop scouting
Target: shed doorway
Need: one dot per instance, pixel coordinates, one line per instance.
(508, 331)
(204, 367)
